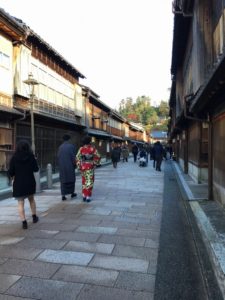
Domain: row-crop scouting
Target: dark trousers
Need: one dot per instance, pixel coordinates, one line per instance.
(158, 163)
(114, 164)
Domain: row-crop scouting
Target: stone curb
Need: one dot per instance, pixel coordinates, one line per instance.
(213, 243)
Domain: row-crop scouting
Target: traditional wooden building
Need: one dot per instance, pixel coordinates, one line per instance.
(97, 121)
(10, 33)
(57, 102)
(137, 133)
(197, 103)
(104, 124)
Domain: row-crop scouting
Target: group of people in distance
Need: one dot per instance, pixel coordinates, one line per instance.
(140, 153)
(23, 164)
(117, 152)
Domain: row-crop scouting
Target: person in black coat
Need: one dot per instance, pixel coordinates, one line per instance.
(135, 151)
(115, 155)
(21, 170)
(67, 165)
(158, 151)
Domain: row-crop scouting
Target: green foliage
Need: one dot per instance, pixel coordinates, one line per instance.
(141, 111)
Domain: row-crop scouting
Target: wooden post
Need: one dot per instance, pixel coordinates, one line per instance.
(210, 162)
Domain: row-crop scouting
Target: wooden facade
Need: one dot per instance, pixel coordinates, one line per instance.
(60, 103)
(10, 32)
(197, 103)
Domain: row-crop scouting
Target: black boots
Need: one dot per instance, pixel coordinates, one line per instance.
(73, 195)
(24, 224)
(35, 218)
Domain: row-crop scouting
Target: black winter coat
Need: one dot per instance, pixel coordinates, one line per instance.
(21, 168)
(115, 154)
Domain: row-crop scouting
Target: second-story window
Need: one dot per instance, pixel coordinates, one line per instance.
(4, 60)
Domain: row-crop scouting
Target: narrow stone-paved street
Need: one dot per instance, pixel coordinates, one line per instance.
(105, 249)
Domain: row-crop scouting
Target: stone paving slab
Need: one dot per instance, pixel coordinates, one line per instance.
(137, 215)
(65, 257)
(41, 243)
(138, 233)
(151, 243)
(97, 211)
(133, 220)
(56, 226)
(98, 218)
(122, 240)
(117, 224)
(80, 222)
(90, 247)
(45, 289)
(136, 281)
(102, 293)
(35, 233)
(19, 252)
(2, 260)
(152, 269)
(29, 268)
(6, 297)
(78, 236)
(6, 281)
(97, 229)
(6, 240)
(135, 252)
(120, 263)
(87, 275)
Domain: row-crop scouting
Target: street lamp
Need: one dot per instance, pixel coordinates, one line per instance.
(31, 82)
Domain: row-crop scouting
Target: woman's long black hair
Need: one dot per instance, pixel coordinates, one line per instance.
(23, 146)
(86, 140)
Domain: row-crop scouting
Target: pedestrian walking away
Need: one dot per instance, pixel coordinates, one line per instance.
(21, 170)
(135, 151)
(153, 155)
(87, 159)
(125, 153)
(66, 160)
(158, 150)
(115, 155)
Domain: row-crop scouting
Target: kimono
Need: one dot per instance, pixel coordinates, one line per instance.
(87, 159)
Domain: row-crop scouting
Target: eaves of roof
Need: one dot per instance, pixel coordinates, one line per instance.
(10, 110)
(180, 37)
(212, 86)
(96, 132)
(117, 116)
(10, 26)
(34, 35)
(31, 34)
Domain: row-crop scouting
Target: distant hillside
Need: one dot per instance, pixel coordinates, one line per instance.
(141, 111)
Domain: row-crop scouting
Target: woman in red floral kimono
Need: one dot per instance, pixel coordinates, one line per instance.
(87, 159)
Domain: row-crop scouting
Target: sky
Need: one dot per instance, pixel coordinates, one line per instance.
(122, 47)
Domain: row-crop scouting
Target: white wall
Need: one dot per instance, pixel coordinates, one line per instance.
(6, 73)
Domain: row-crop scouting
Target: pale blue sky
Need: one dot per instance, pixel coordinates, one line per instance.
(123, 47)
